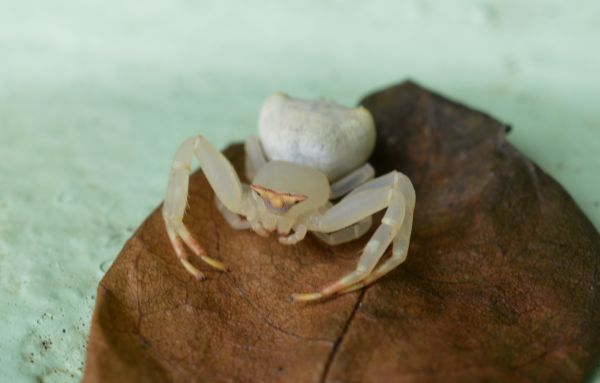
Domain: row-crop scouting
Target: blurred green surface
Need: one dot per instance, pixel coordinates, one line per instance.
(96, 96)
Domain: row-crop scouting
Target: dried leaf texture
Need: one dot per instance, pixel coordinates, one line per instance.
(501, 281)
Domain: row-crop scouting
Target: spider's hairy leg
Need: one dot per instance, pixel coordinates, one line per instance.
(399, 252)
(347, 234)
(350, 182)
(233, 219)
(222, 178)
(353, 208)
(394, 192)
(255, 156)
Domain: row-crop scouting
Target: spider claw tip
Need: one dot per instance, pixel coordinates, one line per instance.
(306, 297)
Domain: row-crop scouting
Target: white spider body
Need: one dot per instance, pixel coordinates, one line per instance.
(293, 196)
(295, 179)
(322, 134)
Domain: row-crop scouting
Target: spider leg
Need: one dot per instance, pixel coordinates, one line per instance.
(350, 182)
(399, 252)
(393, 191)
(347, 234)
(255, 156)
(222, 178)
(299, 234)
(233, 219)
(258, 228)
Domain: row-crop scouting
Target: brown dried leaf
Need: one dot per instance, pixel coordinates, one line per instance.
(501, 281)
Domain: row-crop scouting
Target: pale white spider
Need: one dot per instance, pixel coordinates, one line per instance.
(309, 144)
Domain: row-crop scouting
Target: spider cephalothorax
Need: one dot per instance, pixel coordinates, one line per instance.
(291, 190)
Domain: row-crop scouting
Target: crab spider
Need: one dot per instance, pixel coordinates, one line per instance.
(292, 195)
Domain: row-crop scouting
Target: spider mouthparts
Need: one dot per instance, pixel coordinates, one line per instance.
(201, 277)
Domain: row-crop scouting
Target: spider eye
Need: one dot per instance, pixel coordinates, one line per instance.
(257, 190)
(277, 201)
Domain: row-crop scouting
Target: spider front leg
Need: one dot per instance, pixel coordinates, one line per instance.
(393, 191)
(222, 178)
(399, 252)
(233, 219)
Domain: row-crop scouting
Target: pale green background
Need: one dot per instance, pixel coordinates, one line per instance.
(95, 96)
